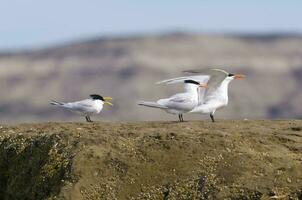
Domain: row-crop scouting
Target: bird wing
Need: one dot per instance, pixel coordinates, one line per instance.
(202, 79)
(198, 78)
(213, 78)
(181, 101)
(84, 106)
(216, 77)
(179, 98)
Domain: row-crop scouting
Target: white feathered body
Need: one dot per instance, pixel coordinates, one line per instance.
(179, 103)
(210, 99)
(215, 99)
(85, 107)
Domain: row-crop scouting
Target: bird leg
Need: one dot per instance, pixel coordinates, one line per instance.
(212, 117)
(181, 119)
(88, 119)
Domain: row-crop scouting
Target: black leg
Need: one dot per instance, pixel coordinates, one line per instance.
(212, 117)
(87, 120)
(182, 119)
(179, 117)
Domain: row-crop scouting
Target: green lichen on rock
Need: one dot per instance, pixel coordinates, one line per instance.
(32, 167)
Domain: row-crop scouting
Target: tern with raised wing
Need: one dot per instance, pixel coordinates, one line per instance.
(179, 103)
(86, 107)
(215, 95)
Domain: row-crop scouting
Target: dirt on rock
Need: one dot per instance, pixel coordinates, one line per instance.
(232, 159)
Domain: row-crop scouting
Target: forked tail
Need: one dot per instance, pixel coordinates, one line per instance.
(151, 104)
(56, 103)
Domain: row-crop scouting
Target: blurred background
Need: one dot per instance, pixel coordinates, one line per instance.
(66, 50)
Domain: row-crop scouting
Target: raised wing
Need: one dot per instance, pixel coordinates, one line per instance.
(216, 77)
(204, 71)
(198, 78)
(213, 78)
(203, 79)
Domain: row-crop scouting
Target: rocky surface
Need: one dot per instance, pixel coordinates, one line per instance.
(152, 160)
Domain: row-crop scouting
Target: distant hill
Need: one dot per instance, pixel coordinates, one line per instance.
(127, 68)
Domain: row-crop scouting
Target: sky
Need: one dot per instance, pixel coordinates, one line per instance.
(38, 23)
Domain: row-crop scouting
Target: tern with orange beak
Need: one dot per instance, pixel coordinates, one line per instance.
(215, 95)
(179, 103)
(86, 107)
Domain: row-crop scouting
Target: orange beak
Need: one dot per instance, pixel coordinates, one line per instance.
(239, 76)
(203, 85)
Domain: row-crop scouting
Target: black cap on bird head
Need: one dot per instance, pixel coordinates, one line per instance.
(97, 97)
(231, 74)
(202, 85)
(191, 81)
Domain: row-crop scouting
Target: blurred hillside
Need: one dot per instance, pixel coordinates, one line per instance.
(127, 68)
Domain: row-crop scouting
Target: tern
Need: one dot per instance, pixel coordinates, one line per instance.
(179, 103)
(86, 107)
(215, 95)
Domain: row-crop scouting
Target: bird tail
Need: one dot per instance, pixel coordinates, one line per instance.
(56, 103)
(151, 104)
